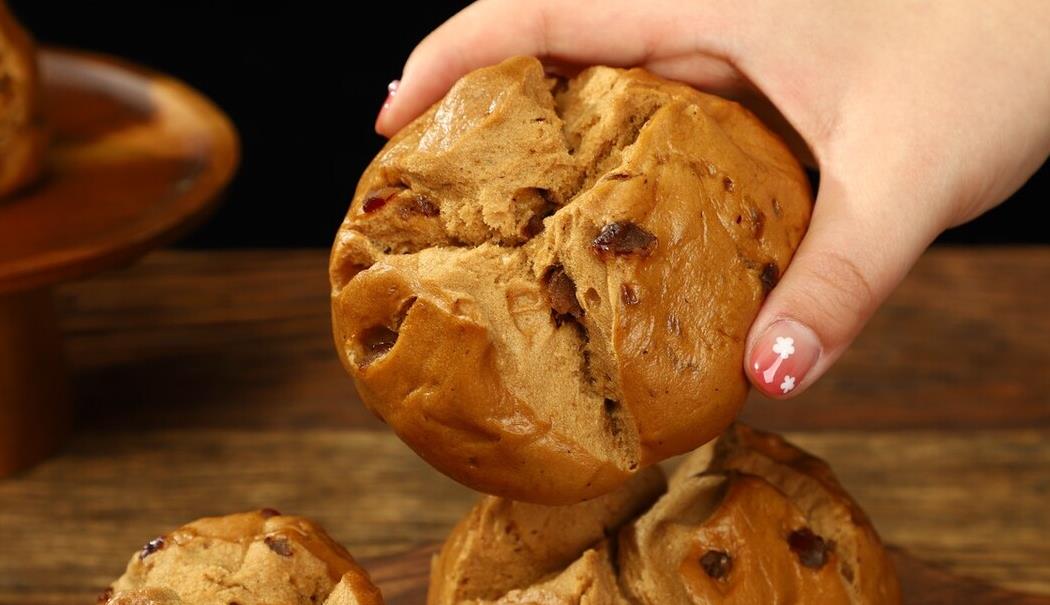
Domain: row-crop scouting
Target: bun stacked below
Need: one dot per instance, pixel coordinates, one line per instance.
(22, 138)
(544, 285)
(747, 519)
(255, 558)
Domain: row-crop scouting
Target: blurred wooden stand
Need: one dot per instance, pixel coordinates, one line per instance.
(35, 405)
(136, 159)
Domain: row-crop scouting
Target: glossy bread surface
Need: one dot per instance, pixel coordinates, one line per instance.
(544, 285)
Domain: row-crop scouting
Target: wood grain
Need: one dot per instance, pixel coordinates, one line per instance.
(208, 384)
(252, 330)
(76, 519)
(962, 343)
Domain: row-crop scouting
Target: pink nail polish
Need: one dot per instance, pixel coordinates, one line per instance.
(782, 356)
(391, 92)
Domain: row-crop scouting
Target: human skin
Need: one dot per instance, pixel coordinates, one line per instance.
(920, 115)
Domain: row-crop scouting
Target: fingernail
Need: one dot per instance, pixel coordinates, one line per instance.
(782, 357)
(391, 92)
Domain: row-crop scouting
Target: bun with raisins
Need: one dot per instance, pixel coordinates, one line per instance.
(747, 519)
(544, 285)
(253, 558)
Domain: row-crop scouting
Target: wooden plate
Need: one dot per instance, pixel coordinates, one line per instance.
(403, 579)
(136, 157)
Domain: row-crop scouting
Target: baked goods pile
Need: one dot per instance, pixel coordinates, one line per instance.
(22, 138)
(255, 558)
(544, 285)
(748, 518)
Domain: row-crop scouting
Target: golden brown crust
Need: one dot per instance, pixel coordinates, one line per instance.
(811, 485)
(589, 580)
(253, 558)
(355, 588)
(22, 137)
(503, 545)
(145, 596)
(748, 519)
(509, 288)
(732, 548)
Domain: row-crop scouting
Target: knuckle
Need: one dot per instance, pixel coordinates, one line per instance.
(835, 290)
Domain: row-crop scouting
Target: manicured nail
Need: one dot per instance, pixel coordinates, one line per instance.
(391, 92)
(782, 356)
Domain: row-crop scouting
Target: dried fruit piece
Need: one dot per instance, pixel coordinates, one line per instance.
(376, 342)
(628, 294)
(421, 205)
(717, 564)
(561, 293)
(611, 407)
(770, 276)
(623, 239)
(758, 222)
(270, 512)
(812, 550)
(151, 547)
(279, 545)
(728, 184)
(104, 596)
(374, 200)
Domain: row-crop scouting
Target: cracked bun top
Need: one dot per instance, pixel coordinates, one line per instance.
(254, 558)
(749, 519)
(22, 138)
(544, 285)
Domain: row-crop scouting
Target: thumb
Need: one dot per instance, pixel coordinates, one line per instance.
(855, 253)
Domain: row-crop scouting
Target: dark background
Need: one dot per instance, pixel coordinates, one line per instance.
(303, 82)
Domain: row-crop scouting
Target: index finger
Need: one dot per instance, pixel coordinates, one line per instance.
(611, 32)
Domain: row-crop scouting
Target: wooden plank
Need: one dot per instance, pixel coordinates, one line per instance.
(232, 339)
(243, 339)
(973, 502)
(208, 384)
(962, 343)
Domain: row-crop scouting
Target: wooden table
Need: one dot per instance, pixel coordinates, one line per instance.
(208, 384)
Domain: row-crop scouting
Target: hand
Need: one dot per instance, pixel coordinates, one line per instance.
(920, 116)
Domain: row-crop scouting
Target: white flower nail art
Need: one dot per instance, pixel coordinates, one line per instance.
(788, 384)
(785, 347)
